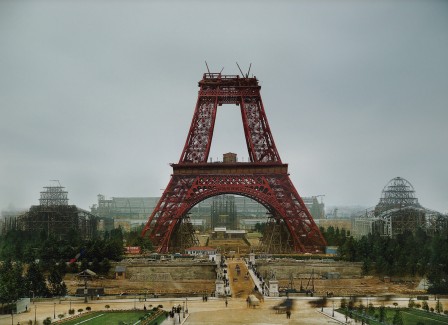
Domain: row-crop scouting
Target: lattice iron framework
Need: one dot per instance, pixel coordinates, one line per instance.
(399, 211)
(56, 217)
(53, 196)
(397, 193)
(264, 179)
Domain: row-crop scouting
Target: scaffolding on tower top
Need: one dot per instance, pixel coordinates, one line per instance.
(54, 195)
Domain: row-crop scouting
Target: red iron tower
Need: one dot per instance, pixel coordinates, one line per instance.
(264, 179)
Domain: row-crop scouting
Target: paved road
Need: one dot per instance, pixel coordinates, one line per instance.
(212, 312)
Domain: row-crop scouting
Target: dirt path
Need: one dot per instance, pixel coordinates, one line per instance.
(240, 281)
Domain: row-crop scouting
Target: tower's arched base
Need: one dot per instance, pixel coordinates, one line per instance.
(268, 184)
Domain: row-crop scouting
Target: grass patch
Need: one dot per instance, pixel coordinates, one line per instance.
(105, 317)
(159, 319)
(410, 316)
(413, 316)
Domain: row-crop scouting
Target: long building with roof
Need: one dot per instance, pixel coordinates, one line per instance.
(231, 211)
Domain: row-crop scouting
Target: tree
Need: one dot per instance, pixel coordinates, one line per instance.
(95, 266)
(351, 304)
(382, 314)
(329, 235)
(371, 310)
(260, 227)
(438, 269)
(348, 250)
(11, 281)
(56, 283)
(114, 250)
(5, 282)
(35, 281)
(366, 266)
(29, 254)
(73, 267)
(84, 264)
(117, 234)
(361, 308)
(105, 266)
(439, 307)
(134, 238)
(49, 249)
(425, 306)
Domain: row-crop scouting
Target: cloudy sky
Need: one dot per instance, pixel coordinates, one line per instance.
(100, 94)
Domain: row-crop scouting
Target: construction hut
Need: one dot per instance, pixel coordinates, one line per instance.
(120, 272)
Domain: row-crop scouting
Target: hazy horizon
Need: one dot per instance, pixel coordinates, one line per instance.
(100, 94)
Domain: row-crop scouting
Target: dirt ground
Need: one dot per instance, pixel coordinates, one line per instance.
(214, 311)
(339, 287)
(126, 287)
(358, 286)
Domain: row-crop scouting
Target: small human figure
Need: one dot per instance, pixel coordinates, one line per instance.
(288, 314)
(226, 302)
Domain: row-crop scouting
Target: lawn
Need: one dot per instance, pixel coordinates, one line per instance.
(104, 317)
(413, 316)
(410, 316)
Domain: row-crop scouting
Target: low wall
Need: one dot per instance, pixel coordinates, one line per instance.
(301, 269)
(168, 272)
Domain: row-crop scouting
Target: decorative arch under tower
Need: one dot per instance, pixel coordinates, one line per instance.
(264, 178)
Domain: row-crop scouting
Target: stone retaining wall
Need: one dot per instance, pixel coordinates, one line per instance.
(170, 272)
(303, 269)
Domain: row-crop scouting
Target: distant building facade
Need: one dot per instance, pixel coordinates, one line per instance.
(219, 211)
(125, 212)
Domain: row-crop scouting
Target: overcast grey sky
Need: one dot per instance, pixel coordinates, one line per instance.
(100, 94)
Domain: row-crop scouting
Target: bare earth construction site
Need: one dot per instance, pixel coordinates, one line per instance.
(177, 277)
